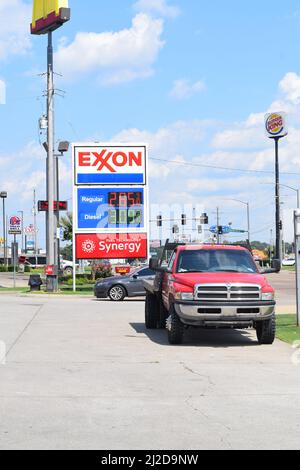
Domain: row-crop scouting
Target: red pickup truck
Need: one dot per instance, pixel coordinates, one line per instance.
(210, 286)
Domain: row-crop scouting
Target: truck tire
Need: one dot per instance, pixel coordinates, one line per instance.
(175, 328)
(163, 315)
(266, 330)
(151, 312)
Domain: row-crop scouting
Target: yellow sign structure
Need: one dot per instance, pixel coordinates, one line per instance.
(49, 15)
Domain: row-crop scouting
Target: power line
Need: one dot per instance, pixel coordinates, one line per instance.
(204, 165)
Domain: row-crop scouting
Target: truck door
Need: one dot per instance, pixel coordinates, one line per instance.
(167, 280)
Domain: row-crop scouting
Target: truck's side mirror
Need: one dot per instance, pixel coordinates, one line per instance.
(154, 264)
(275, 267)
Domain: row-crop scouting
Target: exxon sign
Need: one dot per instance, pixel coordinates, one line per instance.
(109, 164)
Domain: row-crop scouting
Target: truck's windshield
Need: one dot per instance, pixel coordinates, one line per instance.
(235, 261)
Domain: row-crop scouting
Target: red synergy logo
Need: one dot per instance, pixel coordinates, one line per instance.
(114, 246)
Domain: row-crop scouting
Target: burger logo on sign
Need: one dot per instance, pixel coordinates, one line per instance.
(275, 125)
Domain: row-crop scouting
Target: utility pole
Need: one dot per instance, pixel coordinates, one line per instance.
(35, 226)
(51, 219)
(22, 228)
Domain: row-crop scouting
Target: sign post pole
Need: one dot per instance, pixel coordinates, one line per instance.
(276, 129)
(14, 258)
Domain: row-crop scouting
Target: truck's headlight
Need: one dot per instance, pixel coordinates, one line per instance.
(184, 296)
(267, 296)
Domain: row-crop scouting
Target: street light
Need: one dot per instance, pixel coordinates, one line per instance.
(293, 189)
(248, 213)
(3, 196)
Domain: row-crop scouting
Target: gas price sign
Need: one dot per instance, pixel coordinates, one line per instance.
(110, 201)
(110, 208)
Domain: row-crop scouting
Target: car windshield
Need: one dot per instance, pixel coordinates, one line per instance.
(206, 261)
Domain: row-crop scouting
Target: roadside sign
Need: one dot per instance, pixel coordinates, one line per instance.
(111, 209)
(43, 206)
(49, 15)
(111, 246)
(275, 124)
(96, 164)
(15, 225)
(225, 229)
(30, 230)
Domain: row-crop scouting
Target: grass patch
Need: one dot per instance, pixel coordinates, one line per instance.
(287, 329)
(21, 290)
(288, 268)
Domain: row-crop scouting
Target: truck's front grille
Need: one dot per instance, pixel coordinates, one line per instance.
(230, 292)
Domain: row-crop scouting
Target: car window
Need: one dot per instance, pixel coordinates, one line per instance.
(146, 272)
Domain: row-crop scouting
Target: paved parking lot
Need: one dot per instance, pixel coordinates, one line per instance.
(84, 374)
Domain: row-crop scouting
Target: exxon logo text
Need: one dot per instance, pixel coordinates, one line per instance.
(110, 161)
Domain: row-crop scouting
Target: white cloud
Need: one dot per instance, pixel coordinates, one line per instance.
(184, 89)
(15, 17)
(290, 86)
(114, 57)
(2, 92)
(160, 7)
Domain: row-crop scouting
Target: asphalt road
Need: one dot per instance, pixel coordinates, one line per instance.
(284, 284)
(85, 374)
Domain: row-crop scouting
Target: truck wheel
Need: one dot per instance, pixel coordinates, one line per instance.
(265, 331)
(175, 328)
(151, 312)
(117, 293)
(163, 315)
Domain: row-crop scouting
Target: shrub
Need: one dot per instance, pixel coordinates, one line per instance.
(27, 269)
(3, 269)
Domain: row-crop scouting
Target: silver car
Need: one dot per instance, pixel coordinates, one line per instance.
(119, 287)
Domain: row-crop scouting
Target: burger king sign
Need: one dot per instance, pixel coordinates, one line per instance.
(275, 125)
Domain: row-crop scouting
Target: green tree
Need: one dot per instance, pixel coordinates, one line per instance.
(66, 222)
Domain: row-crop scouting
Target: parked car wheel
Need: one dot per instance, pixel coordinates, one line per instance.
(266, 330)
(117, 293)
(175, 328)
(68, 271)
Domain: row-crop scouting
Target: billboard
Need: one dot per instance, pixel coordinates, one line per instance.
(15, 225)
(48, 15)
(110, 201)
(110, 208)
(110, 164)
(117, 246)
(275, 125)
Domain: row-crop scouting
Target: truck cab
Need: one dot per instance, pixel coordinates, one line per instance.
(211, 286)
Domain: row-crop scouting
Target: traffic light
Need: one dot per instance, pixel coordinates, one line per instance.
(220, 230)
(280, 225)
(159, 221)
(200, 229)
(204, 219)
(175, 229)
(183, 219)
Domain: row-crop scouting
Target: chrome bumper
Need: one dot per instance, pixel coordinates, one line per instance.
(194, 313)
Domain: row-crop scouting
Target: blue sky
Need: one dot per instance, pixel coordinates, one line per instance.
(192, 78)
